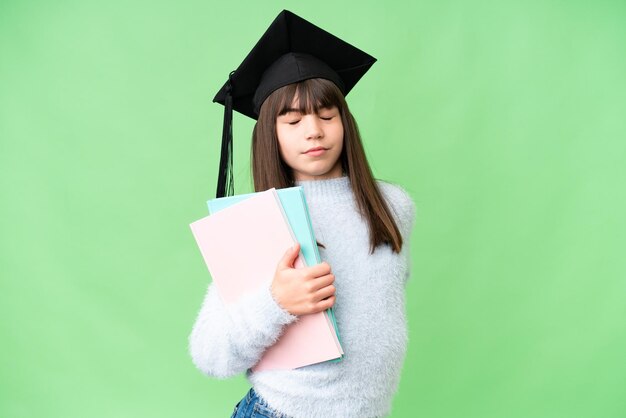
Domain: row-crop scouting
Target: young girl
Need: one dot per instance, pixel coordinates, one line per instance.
(306, 136)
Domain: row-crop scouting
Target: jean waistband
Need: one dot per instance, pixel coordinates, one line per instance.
(251, 394)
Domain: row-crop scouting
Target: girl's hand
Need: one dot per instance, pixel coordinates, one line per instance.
(305, 290)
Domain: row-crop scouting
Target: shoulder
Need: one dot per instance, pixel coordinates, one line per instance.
(400, 202)
(398, 197)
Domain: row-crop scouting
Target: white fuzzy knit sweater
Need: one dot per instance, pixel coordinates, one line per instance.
(369, 309)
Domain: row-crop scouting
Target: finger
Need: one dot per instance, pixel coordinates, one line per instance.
(324, 292)
(326, 303)
(321, 282)
(318, 270)
(290, 256)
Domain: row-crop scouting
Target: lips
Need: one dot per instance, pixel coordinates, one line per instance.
(315, 149)
(316, 152)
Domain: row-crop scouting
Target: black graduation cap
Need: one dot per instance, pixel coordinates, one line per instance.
(291, 50)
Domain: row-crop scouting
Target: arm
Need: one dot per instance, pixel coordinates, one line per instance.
(410, 215)
(229, 339)
(404, 208)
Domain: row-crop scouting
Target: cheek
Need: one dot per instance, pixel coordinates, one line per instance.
(281, 151)
(285, 147)
(339, 148)
(338, 132)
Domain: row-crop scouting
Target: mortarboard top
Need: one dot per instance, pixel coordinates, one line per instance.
(291, 50)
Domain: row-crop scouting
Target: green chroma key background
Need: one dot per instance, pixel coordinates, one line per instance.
(504, 120)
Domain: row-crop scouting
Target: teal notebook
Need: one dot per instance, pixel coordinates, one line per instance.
(295, 207)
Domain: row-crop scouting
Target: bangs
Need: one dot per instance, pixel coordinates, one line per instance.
(312, 95)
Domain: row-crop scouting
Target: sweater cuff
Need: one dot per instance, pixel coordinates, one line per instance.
(262, 309)
(272, 308)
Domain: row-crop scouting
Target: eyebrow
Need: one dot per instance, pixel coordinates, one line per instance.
(291, 109)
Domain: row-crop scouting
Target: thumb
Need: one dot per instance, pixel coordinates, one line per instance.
(290, 256)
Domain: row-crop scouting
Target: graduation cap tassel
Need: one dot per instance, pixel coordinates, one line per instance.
(225, 185)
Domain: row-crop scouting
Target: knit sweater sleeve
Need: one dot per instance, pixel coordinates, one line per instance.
(229, 339)
(408, 214)
(404, 209)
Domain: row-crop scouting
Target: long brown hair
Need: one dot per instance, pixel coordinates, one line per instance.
(269, 170)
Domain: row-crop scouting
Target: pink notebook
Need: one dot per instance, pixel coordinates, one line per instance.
(242, 245)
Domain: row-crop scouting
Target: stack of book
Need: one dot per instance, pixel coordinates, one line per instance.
(242, 241)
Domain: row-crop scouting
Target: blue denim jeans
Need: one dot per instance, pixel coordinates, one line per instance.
(251, 406)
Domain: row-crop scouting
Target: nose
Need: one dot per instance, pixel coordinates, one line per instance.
(313, 129)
